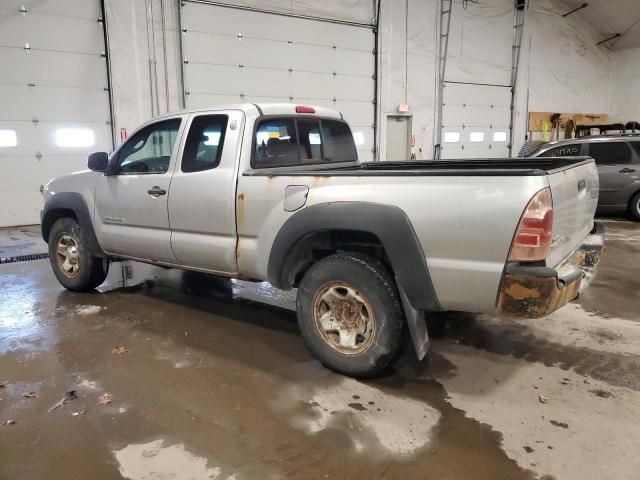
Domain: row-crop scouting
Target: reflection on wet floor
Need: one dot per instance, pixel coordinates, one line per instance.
(183, 374)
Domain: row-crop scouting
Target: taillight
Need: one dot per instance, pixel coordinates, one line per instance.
(533, 236)
(304, 109)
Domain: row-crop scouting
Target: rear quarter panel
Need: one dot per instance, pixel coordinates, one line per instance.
(464, 224)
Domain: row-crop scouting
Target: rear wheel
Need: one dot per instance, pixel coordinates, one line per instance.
(350, 315)
(72, 264)
(635, 206)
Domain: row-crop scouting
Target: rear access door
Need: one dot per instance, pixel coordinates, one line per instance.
(202, 203)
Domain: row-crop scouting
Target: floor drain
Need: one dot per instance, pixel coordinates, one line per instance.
(24, 258)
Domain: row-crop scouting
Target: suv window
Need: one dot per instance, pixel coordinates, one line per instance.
(610, 153)
(203, 148)
(636, 147)
(563, 151)
(149, 150)
(295, 141)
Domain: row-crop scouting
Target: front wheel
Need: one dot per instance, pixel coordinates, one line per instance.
(350, 315)
(72, 263)
(635, 206)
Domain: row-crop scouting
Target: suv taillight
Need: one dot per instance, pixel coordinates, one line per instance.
(533, 235)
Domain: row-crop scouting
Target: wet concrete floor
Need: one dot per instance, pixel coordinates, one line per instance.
(180, 375)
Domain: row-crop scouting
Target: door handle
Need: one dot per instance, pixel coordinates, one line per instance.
(156, 191)
(627, 170)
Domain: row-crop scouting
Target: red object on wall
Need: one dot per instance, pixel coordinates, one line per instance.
(123, 134)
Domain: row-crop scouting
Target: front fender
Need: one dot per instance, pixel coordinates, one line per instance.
(63, 204)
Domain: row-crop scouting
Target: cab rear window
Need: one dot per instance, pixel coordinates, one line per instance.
(288, 141)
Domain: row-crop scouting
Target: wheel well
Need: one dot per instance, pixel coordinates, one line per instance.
(318, 245)
(52, 216)
(631, 197)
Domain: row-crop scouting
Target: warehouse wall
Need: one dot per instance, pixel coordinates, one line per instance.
(144, 55)
(625, 100)
(407, 68)
(562, 68)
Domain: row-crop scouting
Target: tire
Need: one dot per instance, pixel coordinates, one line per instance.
(634, 206)
(358, 299)
(530, 147)
(71, 262)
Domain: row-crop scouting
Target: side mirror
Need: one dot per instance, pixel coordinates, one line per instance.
(98, 162)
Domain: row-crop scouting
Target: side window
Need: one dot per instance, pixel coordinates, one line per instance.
(310, 141)
(149, 150)
(636, 147)
(339, 145)
(203, 148)
(276, 144)
(610, 153)
(570, 150)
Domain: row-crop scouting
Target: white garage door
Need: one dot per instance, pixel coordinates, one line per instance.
(475, 121)
(53, 97)
(234, 55)
(476, 99)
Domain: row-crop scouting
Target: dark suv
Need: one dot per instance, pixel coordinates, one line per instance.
(618, 161)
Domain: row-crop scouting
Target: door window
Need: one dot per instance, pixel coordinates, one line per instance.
(636, 147)
(570, 150)
(203, 148)
(610, 153)
(149, 150)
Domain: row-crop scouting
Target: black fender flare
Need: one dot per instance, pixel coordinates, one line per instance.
(388, 223)
(55, 207)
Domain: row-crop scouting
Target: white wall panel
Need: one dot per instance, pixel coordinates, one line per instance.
(234, 55)
(625, 101)
(60, 81)
(407, 75)
(480, 40)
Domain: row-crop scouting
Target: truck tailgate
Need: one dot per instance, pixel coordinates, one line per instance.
(575, 198)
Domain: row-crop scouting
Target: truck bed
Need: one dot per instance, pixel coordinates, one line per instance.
(468, 167)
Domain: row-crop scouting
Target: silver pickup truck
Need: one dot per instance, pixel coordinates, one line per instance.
(275, 192)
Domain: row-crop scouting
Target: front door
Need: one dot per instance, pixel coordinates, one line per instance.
(202, 204)
(615, 169)
(131, 202)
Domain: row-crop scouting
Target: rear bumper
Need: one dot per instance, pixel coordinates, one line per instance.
(533, 292)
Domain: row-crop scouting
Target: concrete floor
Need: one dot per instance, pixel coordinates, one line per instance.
(215, 385)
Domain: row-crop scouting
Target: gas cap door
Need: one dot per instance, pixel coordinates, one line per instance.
(295, 196)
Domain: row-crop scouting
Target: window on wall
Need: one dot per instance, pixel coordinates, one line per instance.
(499, 136)
(75, 137)
(8, 138)
(203, 148)
(476, 136)
(451, 137)
(149, 150)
